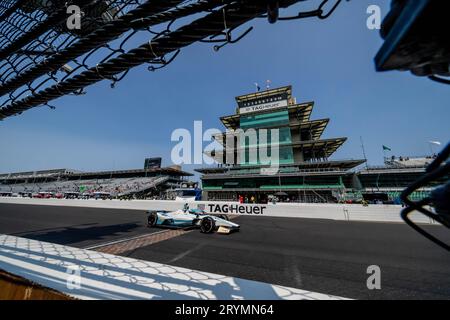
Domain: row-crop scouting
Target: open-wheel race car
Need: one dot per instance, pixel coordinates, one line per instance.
(191, 218)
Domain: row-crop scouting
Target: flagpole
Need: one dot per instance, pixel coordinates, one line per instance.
(385, 148)
(363, 150)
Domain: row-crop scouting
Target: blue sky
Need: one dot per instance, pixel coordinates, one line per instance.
(330, 62)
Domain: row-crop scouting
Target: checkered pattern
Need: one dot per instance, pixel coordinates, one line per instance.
(132, 244)
(135, 243)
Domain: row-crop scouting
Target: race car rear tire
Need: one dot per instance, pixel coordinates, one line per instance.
(207, 225)
(152, 219)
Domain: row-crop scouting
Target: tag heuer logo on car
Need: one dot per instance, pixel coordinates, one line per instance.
(235, 209)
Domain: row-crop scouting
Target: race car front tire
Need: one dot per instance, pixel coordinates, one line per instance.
(224, 217)
(207, 225)
(152, 219)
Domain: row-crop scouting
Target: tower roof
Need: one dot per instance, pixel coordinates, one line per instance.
(301, 112)
(316, 127)
(311, 149)
(286, 91)
(325, 147)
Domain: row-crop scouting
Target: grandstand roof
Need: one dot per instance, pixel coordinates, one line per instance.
(38, 173)
(390, 170)
(171, 171)
(164, 171)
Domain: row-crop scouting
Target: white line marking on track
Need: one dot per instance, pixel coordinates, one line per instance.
(184, 254)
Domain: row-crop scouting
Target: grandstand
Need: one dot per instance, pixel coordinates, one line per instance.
(387, 182)
(136, 183)
(409, 162)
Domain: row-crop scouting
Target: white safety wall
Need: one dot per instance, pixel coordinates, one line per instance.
(349, 212)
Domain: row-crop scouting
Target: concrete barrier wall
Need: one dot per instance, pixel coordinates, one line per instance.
(350, 212)
(86, 274)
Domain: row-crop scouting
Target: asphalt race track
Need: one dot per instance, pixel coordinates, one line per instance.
(72, 226)
(318, 255)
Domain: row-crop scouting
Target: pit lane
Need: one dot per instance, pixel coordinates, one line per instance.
(320, 255)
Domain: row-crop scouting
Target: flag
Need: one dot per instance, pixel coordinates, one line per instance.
(435, 142)
(258, 88)
(386, 148)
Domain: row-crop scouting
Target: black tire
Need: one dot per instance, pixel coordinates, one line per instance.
(207, 225)
(152, 219)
